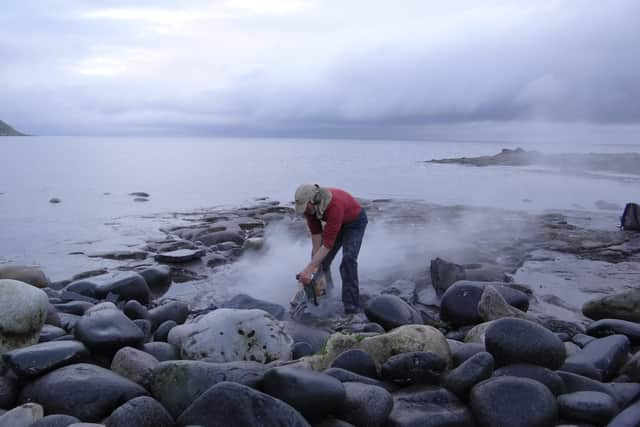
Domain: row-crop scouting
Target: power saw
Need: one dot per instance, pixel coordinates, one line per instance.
(308, 294)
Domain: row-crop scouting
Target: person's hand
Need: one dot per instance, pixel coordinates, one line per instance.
(304, 276)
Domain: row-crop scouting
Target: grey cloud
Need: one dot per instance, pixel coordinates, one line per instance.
(578, 64)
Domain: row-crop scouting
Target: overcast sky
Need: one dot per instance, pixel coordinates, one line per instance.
(350, 68)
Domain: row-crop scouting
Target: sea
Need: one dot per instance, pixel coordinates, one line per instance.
(93, 178)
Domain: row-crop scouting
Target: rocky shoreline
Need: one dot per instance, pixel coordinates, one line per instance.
(522, 319)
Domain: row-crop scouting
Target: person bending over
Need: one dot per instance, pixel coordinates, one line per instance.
(344, 224)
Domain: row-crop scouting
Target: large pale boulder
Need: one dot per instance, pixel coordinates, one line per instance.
(28, 274)
(408, 338)
(23, 310)
(227, 335)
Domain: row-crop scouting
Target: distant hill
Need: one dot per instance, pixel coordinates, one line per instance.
(6, 130)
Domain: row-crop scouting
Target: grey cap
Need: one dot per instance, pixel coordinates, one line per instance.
(305, 194)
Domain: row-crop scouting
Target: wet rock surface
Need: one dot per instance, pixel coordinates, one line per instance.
(559, 290)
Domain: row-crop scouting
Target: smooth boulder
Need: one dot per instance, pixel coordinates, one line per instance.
(549, 378)
(41, 358)
(428, 406)
(23, 310)
(358, 361)
(135, 365)
(381, 347)
(365, 405)
(600, 359)
(416, 367)
(607, 327)
(230, 404)
(31, 275)
(125, 285)
(512, 340)
(85, 391)
(511, 401)
(176, 384)
(247, 302)
(459, 304)
(227, 335)
(175, 310)
(142, 411)
(477, 368)
(588, 407)
(391, 311)
(106, 331)
(623, 305)
(311, 393)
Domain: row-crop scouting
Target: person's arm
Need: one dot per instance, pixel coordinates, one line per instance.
(335, 216)
(316, 241)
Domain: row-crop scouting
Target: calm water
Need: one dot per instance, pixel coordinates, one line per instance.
(93, 176)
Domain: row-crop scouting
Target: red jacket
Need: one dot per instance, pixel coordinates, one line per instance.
(342, 209)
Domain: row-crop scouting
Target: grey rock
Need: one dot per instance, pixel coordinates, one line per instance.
(49, 333)
(587, 406)
(465, 351)
(107, 331)
(162, 351)
(239, 405)
(141, 411)
(459, 304)
(445, 274)
(414, 368)
(23, 415)
(163, 330)
(632, 368)
(175, 310)
(126, 285)
(311, 393)
(32, 275)
(477, 368)
(358, 361)
(606, 327)
(428, 406)
(177, 384)
(85, 391)
(180, 256)
(218, 237)
(247, 302)
(391, 311)
(511, 401)
(134, 310)
(600, 359)
(575, 382)
(345, 376)
(119, 255)
(551, 379)
(135, 365)
(582, 339)
(520, 341)
(623, 305)
(56, 420)
(8, 392)
(227, 335)
(145, 326)
(41, 358)
(629, 417)
(365, 405)
(158, 279)
(73, 307)
(301, 349)
(493, 306)
(23, 310)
